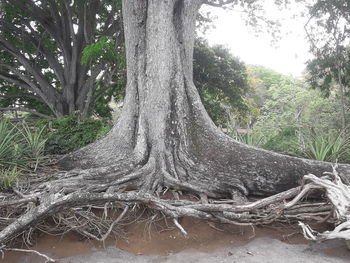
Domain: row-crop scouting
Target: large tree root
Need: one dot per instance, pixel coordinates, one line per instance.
(339, 195)
(76, 192)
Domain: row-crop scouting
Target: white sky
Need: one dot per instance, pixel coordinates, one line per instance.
(288, 56)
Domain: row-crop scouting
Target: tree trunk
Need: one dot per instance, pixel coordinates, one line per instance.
(165, 139)
(164, 131)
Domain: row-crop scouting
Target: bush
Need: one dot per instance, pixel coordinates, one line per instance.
(285, 142)
(68, 134)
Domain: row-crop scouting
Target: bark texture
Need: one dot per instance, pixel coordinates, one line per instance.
(164, 134)
(165, 140)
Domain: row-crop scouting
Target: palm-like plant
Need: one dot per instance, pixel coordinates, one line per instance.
(20, 149)
(34, 143)
(250, 138)
(326, 147)
(8, 136)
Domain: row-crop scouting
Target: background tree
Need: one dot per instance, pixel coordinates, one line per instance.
(43, 42)
(328, 30)
(221, 80)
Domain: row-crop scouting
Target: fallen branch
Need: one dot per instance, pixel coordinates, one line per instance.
(47, 258)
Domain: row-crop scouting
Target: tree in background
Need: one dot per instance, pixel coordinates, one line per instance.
(328, 30)
(260, 81)
(221, 80)
(42, 43)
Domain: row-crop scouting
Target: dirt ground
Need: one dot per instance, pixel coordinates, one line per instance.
(206, 242)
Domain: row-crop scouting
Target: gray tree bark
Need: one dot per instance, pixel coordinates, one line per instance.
(165, 133)
(165, 139)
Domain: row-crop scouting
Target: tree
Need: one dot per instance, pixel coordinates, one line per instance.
(164, 137)
(328, 31)
(260, 81)
(42, 43)
(221, 80)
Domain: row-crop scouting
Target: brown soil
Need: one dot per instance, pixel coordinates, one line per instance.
(161, 238)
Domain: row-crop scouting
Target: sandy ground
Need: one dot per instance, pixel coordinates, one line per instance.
(259, 250)
(158, 241)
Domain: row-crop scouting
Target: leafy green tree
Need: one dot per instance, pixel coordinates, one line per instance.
(328, 30)
(41, 48)
(221, 80)
(260, 81)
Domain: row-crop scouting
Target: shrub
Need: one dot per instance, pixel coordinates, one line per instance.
(285, 142)
(69, 133)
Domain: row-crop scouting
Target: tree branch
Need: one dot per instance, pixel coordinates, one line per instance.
(10, 28)
(18, 95)
(27, 110)
(38, 76)
(219, 3)
(21, 80)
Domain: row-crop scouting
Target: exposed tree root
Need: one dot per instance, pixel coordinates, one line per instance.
(47, 258)
(339, 195)
(70, 199)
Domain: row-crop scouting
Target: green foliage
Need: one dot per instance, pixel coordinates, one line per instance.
(21, 149)
(34, 142)
(221, 80)
(8, 147)
(103, 51)
(69, 133)
(286, 108)
(285, 142)
(293, 104)
(112, 87)
(329, 35)
(253, 139)
(9, 176)
(330, 147)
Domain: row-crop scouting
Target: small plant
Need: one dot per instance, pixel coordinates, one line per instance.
(250, 138)
(326, 147)
(34, 143)
(21, 149)
(9, 176)
(8, 136)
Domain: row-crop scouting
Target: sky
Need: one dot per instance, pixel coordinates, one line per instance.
(287, 56)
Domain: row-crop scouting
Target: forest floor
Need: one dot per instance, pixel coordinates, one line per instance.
(154, 241)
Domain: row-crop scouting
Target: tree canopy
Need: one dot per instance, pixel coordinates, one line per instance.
(43, 43)
(221, 80)
(328, 30)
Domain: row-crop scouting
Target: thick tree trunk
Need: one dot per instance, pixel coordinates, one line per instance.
(164, 131)
(165, 139)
